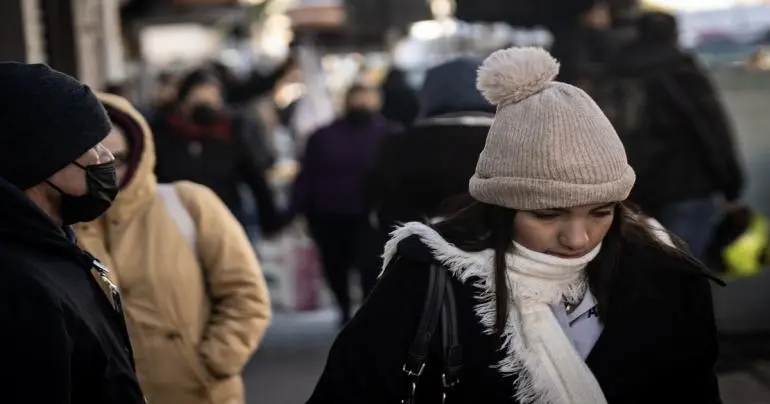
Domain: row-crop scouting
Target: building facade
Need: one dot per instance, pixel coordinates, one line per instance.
(79, 37)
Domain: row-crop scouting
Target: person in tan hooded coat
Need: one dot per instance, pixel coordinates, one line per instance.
(196, 310)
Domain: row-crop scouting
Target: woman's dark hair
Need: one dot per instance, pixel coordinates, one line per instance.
(481, 226)
(134, 136)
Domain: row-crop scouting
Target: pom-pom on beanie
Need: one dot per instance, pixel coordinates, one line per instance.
(550, 145)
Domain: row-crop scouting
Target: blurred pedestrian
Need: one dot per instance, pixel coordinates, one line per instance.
(205, 142)
(399, 100)
(163, 99)
(676, 131)
(330, 192)
(64, 340)
(597, 46)
(196, 302)
(546, 289)
(419, 171)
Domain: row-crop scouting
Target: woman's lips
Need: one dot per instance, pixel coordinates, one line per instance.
(565, 255)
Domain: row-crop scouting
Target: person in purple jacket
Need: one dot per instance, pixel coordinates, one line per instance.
(330, 192)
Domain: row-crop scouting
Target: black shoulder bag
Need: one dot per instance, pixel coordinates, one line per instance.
(440, 308)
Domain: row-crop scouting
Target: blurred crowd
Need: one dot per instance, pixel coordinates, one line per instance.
(170, 233)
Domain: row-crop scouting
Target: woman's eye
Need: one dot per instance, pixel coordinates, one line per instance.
(546, 215)
(602, 213)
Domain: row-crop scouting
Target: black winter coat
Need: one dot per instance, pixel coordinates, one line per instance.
(685, 148)
(62, 340)
(659, 342)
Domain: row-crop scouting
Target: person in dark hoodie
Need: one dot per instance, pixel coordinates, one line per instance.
(64, 339)
(418, 172)
(676, 132)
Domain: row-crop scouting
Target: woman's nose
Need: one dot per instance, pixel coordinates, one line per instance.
(574, 237)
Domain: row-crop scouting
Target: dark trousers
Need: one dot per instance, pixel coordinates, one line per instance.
(345, 242)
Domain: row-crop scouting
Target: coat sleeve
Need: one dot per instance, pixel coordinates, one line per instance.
(255, 159)
(255, 141)
(38, 348)
(365, 363)
(236, 285)
(695, 378)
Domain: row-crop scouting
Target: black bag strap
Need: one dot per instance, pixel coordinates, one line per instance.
(440, 303)
(418, 351)
(451, 339)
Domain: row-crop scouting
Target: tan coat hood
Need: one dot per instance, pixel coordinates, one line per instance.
(140, 190)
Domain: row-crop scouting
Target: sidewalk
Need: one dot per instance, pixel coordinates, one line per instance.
(292, 356)
(745, 387)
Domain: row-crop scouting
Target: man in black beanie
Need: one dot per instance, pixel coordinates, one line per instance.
(62, 331)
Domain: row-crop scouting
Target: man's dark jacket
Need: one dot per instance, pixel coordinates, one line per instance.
(63, 340)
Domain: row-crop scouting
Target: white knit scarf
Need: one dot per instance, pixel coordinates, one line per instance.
(550, 370)
(547, 367)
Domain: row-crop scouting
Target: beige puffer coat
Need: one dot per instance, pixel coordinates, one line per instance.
(195, 316)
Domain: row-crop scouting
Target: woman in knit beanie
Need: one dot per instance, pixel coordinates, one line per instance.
(547, 289)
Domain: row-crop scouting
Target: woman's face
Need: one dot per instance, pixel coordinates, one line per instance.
(565, 233)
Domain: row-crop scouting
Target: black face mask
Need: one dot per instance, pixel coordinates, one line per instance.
(359, 116)
(102, 186)
(204, 115)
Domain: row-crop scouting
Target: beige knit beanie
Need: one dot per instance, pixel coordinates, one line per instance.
(550, 145)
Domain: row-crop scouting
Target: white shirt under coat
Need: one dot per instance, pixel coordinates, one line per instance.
(582, 326)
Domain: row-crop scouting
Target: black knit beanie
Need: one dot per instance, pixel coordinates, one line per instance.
(48, 120)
